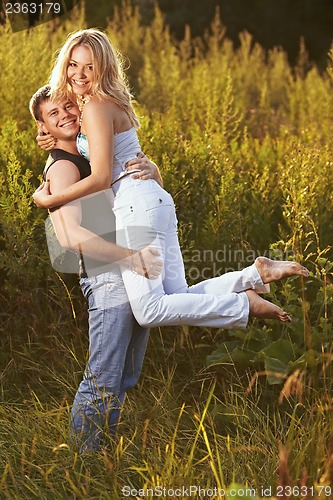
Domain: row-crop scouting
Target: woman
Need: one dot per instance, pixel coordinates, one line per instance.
(89, 67)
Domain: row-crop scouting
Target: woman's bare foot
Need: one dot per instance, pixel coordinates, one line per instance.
(272, 270)
(261, 308)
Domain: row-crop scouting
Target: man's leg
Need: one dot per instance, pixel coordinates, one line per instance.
(100, 395)
(133, 365)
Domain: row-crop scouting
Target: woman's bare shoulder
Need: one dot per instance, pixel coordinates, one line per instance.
(95, 103)
(96, 111)
(102, 107)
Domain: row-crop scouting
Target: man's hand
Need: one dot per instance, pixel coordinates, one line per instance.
(46, 141)
(148, 169)
(147, 263)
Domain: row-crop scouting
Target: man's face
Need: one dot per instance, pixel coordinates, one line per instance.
(60, 119)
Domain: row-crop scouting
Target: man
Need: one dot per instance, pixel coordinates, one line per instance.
(117, 343)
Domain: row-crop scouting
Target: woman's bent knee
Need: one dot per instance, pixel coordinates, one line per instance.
(146, 318)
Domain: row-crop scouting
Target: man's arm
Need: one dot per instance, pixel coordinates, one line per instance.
(149, 169)
(72, 235)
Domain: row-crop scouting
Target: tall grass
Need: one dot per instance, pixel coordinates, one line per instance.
(243, 142)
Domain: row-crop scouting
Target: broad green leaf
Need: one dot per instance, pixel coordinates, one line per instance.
(276, 370)
(231, 352)
(277, 357)
(281, 349)
(309, 359)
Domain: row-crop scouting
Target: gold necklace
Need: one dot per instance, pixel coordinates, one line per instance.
(81, 102)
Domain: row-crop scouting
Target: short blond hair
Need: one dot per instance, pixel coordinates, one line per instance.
(110, 81)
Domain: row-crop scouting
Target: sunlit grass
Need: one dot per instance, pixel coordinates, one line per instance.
(243, 141)
(212, 441)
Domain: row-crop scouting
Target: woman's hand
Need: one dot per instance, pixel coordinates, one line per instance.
(46, 141)
(148, 169)
(42, 195)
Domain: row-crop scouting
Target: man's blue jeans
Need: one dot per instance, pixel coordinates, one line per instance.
(117, 346)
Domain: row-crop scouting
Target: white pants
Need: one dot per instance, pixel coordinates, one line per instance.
(145, 215)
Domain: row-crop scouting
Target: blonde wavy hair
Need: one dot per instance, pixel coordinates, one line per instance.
(110, 82)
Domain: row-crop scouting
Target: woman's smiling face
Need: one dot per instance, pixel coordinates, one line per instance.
(80, 72)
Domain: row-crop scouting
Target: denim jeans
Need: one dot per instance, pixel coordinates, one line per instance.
(117, 345)
(218, 302)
